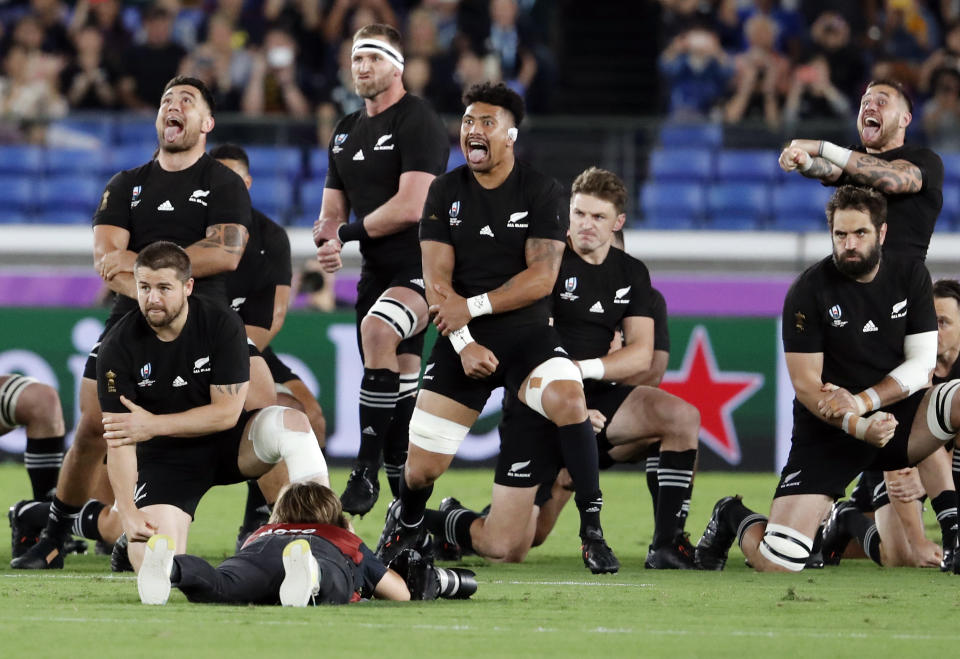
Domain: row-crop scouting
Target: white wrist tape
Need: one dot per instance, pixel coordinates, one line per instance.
(460, 339)
(873, 397)
(835, 154)
(859, 427)
(592, 369)
(479, 305)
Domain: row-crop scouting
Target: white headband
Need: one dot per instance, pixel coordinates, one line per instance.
(382, 47)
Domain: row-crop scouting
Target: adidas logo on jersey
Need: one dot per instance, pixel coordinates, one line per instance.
(597, 307)
(358, 155)
(369, 431)
(618, 297)
(870, 327)
(179, 382)
(165, 206)
(486, 231)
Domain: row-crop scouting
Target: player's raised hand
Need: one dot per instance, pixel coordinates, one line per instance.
(793, 158)
(881, 428)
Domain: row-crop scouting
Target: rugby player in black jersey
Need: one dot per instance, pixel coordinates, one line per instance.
(910, 176)
(185, 196)
(492, 237)
(382, 160)
(171, 380)
(259, 290)
(600, 290)
(853, 322)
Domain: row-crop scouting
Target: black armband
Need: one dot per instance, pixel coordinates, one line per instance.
(352, 231)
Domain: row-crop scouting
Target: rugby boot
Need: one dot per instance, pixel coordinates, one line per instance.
(46, 554)
(153, 580)
(362, 491)
(676, 555)
(22, 535)
(815, 560)
(76, 546)
(443, 550)
(835, 536)
(597, 555)
(301, 581)
(390, 522)
(103, 548)
(949, 561)
(711, 551)
(119, 560)
(402, 538)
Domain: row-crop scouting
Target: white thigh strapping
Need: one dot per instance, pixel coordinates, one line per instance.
(435, 434)
(938, 410)
(10, 392)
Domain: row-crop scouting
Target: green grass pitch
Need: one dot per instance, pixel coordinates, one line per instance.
(549, 606)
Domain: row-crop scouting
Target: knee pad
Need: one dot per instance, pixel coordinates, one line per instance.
(272, 442)
(555, 368)
(435, 434)
(786, 547)
(396, 314)
(938, 410)
(10, 392)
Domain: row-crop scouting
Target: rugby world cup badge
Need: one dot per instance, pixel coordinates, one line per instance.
(569, 286)
(836, 315)
(454, 213)
(135, 196)
(338, 141)
(145, 372)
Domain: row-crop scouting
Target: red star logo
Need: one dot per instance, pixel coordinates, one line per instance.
(715, 393)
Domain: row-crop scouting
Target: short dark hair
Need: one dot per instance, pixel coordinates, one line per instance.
(380, 30)
(856, 197)
(197, 84)
(602, 184)
(230, 152)
(496, 94)
(947, 288)
(896, 84)
(164, 254)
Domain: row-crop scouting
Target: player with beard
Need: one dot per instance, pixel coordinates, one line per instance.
(187, 197)
(172, 377)
(910, 176)
(382, 160)
(854, 322)
(492, 237)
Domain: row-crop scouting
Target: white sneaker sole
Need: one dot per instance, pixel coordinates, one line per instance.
(301, 579)
(153, 580)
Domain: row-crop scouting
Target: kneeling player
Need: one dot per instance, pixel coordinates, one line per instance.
(172, 379)
(854, 322)
(306, 554)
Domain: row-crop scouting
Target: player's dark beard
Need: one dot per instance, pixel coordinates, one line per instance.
(168, 317)
(855, 269)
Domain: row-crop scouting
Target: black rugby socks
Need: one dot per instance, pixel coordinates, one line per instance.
(674, 476)
(42, 458)
(378, 400)
(578, 447)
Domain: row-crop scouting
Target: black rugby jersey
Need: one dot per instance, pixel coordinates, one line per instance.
(488, 230)
(590, 301)
(169, 377)
(154, 204)
(661, 332)
(859, 327)
(910, 217)
(266, 260)
(367, 155)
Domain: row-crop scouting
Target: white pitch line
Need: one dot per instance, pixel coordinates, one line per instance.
(29, 574)
(570, 583)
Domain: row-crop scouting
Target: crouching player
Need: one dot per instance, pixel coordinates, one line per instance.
(172, 378)
(860, 337)
(305, 554)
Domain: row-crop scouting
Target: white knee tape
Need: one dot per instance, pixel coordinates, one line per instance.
(786, 547)
(555, 368)
(435, 434)
(395, 314)
(10, 392)
(938, 410)
(272, 442)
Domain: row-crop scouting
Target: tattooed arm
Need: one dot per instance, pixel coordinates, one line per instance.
(896, 177)
(220, 251)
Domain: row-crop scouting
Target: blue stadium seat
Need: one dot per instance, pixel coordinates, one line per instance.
(951, 167)
(98, 128)
(13, 217)
(456, 158)
(738, 199)
(63, 217)
(950, 213)
(128, 156)
(661, 201)
(63, 193)
(77, 161)
(17, 194)
(304, 219)
(799, 206)
(681, 165)
(143, 133)
(733, 221)
(311, 196)
(273, 196)
(669, 221)
(747, 165)
(318, 164)
(691, 135)
(275, 161)
(15, 159)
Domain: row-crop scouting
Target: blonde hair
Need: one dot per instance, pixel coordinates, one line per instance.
(307, 502)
